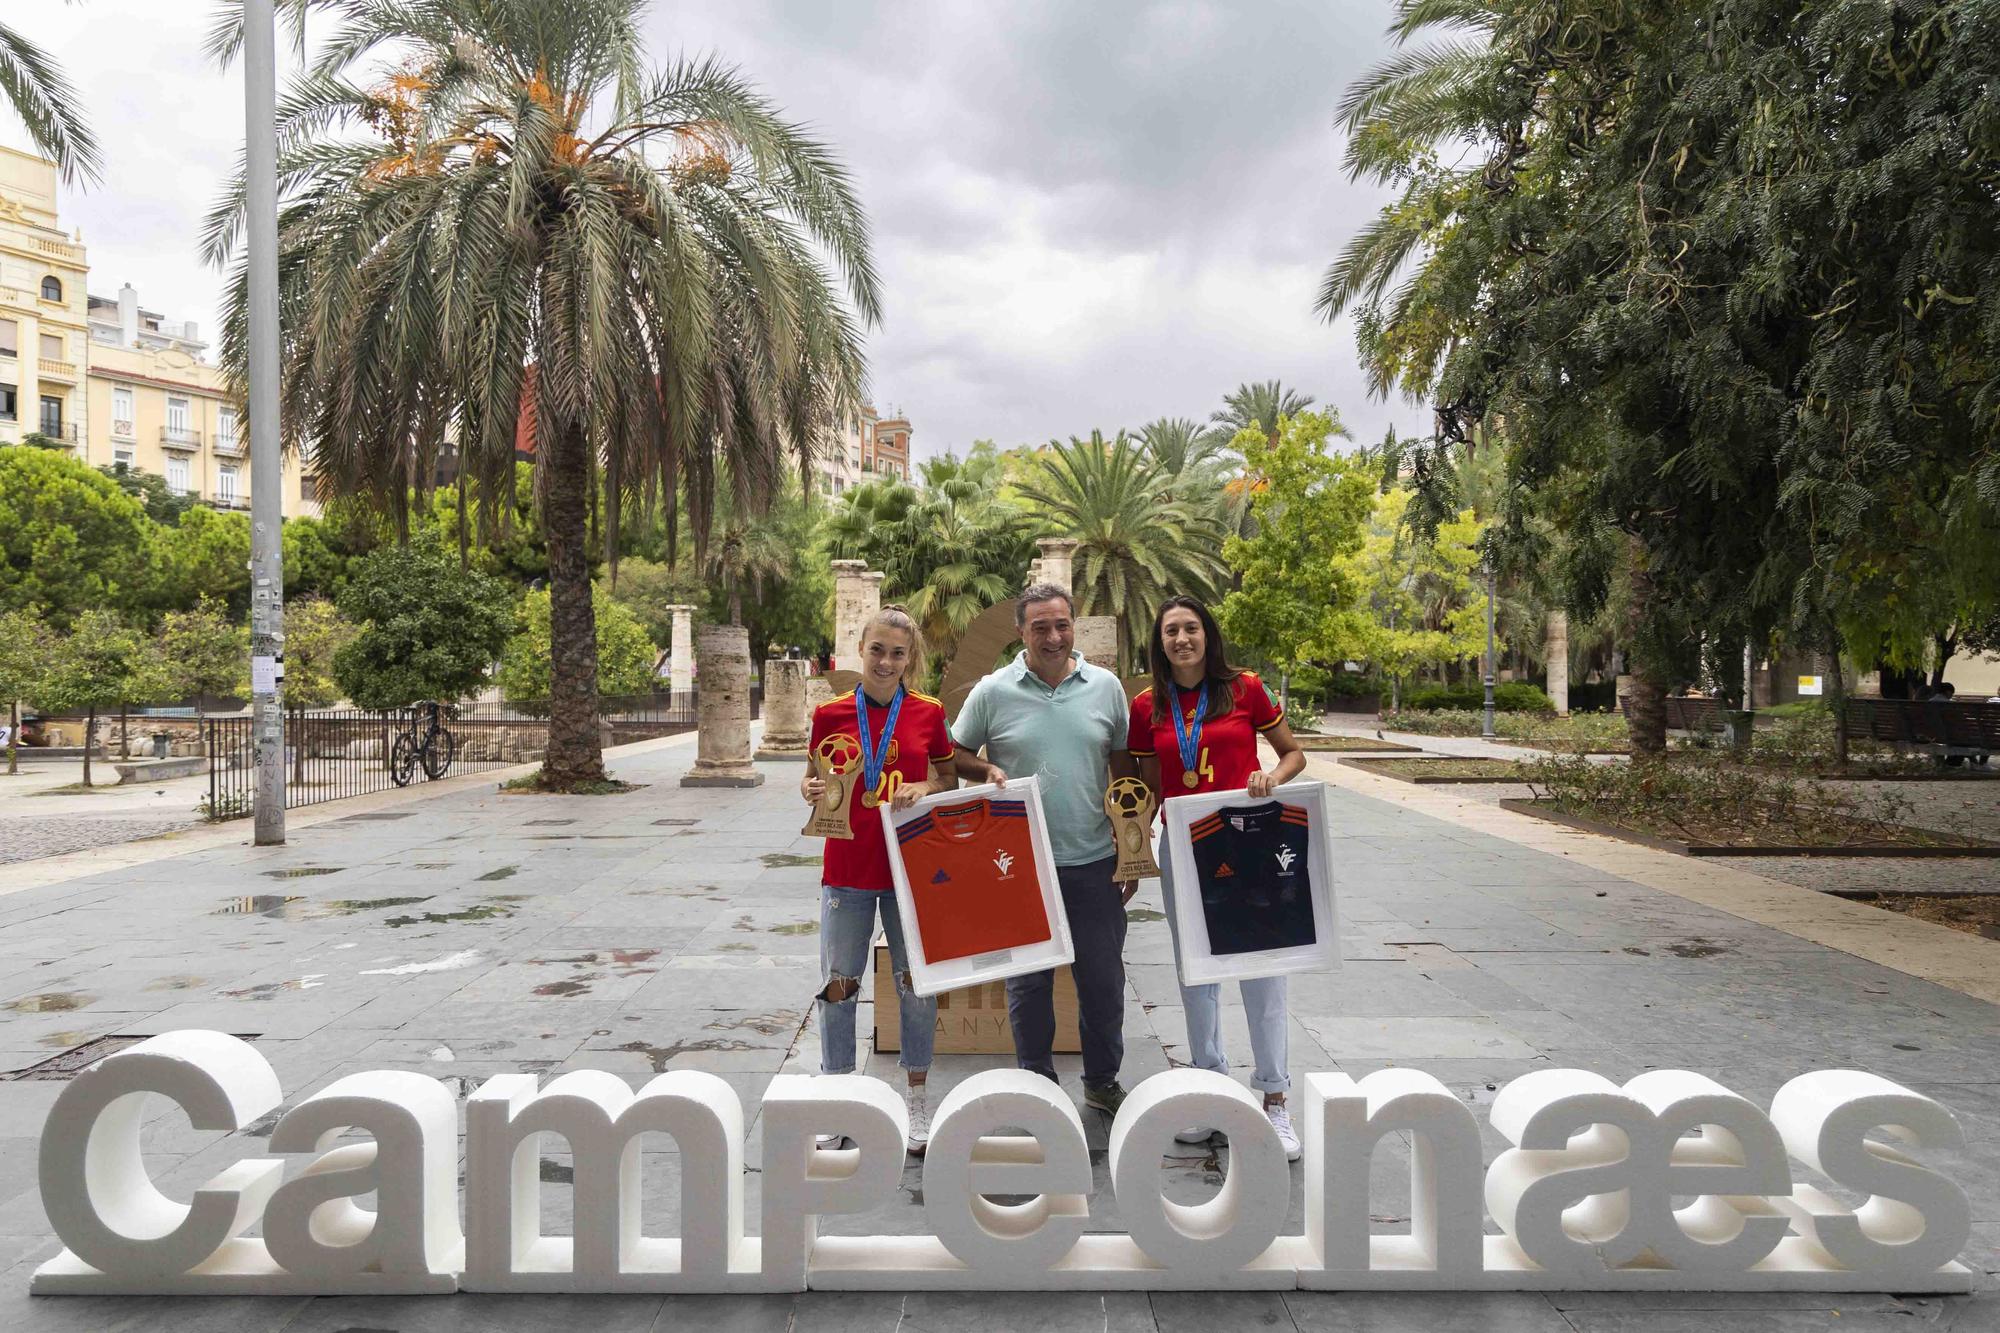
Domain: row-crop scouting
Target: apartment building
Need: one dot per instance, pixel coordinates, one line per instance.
(42, 336)
(870, 446)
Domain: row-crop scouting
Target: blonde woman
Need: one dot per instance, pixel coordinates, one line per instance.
(906, 754)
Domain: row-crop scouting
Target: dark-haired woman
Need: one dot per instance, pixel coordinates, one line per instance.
(1196, 730)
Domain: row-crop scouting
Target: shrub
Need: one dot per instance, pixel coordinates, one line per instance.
(1514, 697)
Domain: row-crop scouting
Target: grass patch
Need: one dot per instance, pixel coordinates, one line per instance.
(1973, 913)
(1445, 770)
(76, 789)
(1349, 744)
(535, 783)
(1596, 731)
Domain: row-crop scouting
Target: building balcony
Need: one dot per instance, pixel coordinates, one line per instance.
(123, 430)
(179, 437)
(231, 446)
(52, 369)
(63, 433)
(59, 249)
(239, 503)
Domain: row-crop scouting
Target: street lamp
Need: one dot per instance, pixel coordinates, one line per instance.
(267, 580)
(1486, 727)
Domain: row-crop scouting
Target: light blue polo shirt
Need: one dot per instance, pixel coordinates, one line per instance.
(1062, 736)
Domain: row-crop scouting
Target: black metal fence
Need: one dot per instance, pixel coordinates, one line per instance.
(334, 753)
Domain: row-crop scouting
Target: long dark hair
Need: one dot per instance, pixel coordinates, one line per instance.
(1214, 664)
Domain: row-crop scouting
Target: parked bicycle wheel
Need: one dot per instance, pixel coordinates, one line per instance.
(439, 747)
(403, 759)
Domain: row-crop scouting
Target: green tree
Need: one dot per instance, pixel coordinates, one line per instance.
(205, 555)
(48, 107)
(1137, 543)
(1296, 601)
(315, 632)
(203, 652)
(25, 653)
(1421, 603)
(98, 664)
(313, 568)
(518, 186)
(428, 629)
(70, 539)
(625, 655)
(150, 489)
(647, 589)
(1258, 406)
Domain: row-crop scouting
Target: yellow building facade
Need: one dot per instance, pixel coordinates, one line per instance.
(110, 381)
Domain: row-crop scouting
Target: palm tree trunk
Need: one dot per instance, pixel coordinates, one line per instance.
(14, 738)
(89, 736)
(1646, 705)
(575, 754)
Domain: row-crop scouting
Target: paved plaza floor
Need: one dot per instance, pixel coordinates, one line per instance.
(464, 933)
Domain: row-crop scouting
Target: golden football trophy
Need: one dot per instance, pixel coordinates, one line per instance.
(1129, 802)
(837, 759)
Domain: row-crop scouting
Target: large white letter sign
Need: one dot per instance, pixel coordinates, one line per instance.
(123, 1234)
(1344, 1121)
(1915, 1219)
(1720, 1149)
(597, 1114)
(1052, 1163)
(312, 1225)
(803, 1183)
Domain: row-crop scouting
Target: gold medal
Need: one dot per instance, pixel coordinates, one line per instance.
(1190, 780)
(870, 799)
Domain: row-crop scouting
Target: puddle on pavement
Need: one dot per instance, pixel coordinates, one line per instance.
(1696, 948)
(303, 872)
(795, 928)
(1144, 914)
(660, 1056)
(269, 989)
(490, 910)
(504, 872)
(294, 907)
(779, 860)
(770, 1025)
(176, 983)
(62, 1041)
(572, 986)
(51, 1002)
(262, 904)
(737, 947)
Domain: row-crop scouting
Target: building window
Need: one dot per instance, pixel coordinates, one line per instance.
(122, 457)
(52, 347)
(178, 429)
(51, 288)
(9, 400)
(225, 428)
(121, 412)
(177, 474)
(10, 338)
(52, 422)
(225, 484)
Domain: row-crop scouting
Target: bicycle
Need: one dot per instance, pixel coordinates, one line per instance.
(423, 741)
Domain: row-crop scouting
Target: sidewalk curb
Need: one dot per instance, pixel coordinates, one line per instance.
(43, 871)
(1921, 949)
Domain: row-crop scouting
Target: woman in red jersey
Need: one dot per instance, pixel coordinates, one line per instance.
(905, 754)
(1196, 730)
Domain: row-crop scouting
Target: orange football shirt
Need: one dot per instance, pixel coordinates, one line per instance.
(973, 878)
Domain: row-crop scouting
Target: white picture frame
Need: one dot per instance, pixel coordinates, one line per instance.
(1199, 964)
(928, 978)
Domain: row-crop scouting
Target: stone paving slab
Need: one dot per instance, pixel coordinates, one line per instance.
(612, 941)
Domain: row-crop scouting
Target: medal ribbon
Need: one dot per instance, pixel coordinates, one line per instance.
(873, 756)
(1189, 733)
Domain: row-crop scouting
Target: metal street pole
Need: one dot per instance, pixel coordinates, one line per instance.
(1486, 728)
(267, 582)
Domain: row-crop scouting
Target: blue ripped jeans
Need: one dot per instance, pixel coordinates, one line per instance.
(846, 929)
(1263, 1005)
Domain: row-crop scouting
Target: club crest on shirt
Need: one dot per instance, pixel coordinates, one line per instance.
(1285, 857)
(1004, 862)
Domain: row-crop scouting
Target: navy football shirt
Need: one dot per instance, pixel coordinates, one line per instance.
(1254, 864)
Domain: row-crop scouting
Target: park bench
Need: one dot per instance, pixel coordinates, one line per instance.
(1696, 713)
(154, 770)
(1943, 728)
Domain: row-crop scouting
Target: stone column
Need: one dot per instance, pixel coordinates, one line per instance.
(1056, 555)
(723, 743)
(1558, 659)
(785, 731)
(680, 661)
(857, 596)
(818, 691)
(1097, 640)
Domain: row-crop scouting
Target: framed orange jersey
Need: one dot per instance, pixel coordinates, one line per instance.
(976, 886)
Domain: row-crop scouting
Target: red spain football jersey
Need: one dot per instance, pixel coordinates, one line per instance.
(862, 862)
(974, 879)
(1228, 753)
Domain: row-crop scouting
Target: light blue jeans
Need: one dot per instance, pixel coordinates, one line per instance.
(1263, 1004)
(846, 928)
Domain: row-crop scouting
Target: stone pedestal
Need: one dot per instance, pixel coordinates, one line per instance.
(1097, 640)
(1057, 553)
(1558, 659)
(680, 659)
(818, 691)
(723, 703)
(857, 596)
(785, 717)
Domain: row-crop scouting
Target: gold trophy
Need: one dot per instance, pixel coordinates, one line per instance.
(1129, 802)
(837, 759)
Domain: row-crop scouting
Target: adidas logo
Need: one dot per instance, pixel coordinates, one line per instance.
(940, 877)
(1223, 871)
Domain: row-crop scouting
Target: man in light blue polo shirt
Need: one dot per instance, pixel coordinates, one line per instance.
(1051, 714)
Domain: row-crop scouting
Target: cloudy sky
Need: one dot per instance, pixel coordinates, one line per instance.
(1085, 214)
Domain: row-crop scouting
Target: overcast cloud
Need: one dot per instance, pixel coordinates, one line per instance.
(1085, 214)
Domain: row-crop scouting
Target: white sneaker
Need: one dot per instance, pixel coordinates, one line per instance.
(825, 1141)
(1194, 1136)
(916, 1099)
(1281, 1120)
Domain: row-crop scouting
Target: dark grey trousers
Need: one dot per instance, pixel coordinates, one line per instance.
(1097, 926)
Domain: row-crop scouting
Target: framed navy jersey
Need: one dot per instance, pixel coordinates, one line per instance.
(1258, 899)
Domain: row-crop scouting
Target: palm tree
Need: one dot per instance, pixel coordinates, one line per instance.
(519, 190)
(43, 97)
(1259, 405)
(1178, 446)
(1136, 543)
